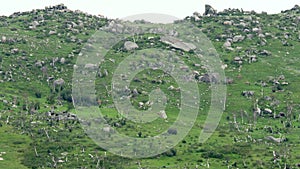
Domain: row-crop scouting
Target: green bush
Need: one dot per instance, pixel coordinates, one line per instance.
(212, 154)
(38, 94)
(66, 95)
(51, 99)
(170, 153)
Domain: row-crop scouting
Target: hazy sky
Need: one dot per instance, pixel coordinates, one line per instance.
(123, 8)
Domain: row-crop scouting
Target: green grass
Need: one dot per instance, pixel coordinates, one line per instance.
(14, 145)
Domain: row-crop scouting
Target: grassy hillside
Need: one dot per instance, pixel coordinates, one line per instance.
(259, 128)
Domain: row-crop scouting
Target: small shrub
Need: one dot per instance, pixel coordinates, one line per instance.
(212, 154)
(170, 153)
(66, 95)
(51, 99)
(38, 94)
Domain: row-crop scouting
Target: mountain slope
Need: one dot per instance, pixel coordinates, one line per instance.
(259, 128)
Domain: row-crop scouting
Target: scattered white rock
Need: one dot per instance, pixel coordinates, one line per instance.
(62, 60)
(238, 38)
(52, 32)
(171, 87)
(224, 66)
(3, 39)
(227, 23)
(257, 30)
(141, 104)
(267, 110)
(227, 44)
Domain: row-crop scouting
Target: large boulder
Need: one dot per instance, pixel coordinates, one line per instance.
(59, 82)
(227, 44)
(162, 114)
(209, 10)
(128, 45)
(276, 140)
(177, 43)
(210, 78)
(238, 38)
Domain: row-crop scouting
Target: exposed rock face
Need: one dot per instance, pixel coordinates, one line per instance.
(209, 10)
(177, 43)
(128, 45)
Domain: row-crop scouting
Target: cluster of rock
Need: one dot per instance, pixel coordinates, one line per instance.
(61, 116)
(39, 23)
(249, 27)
